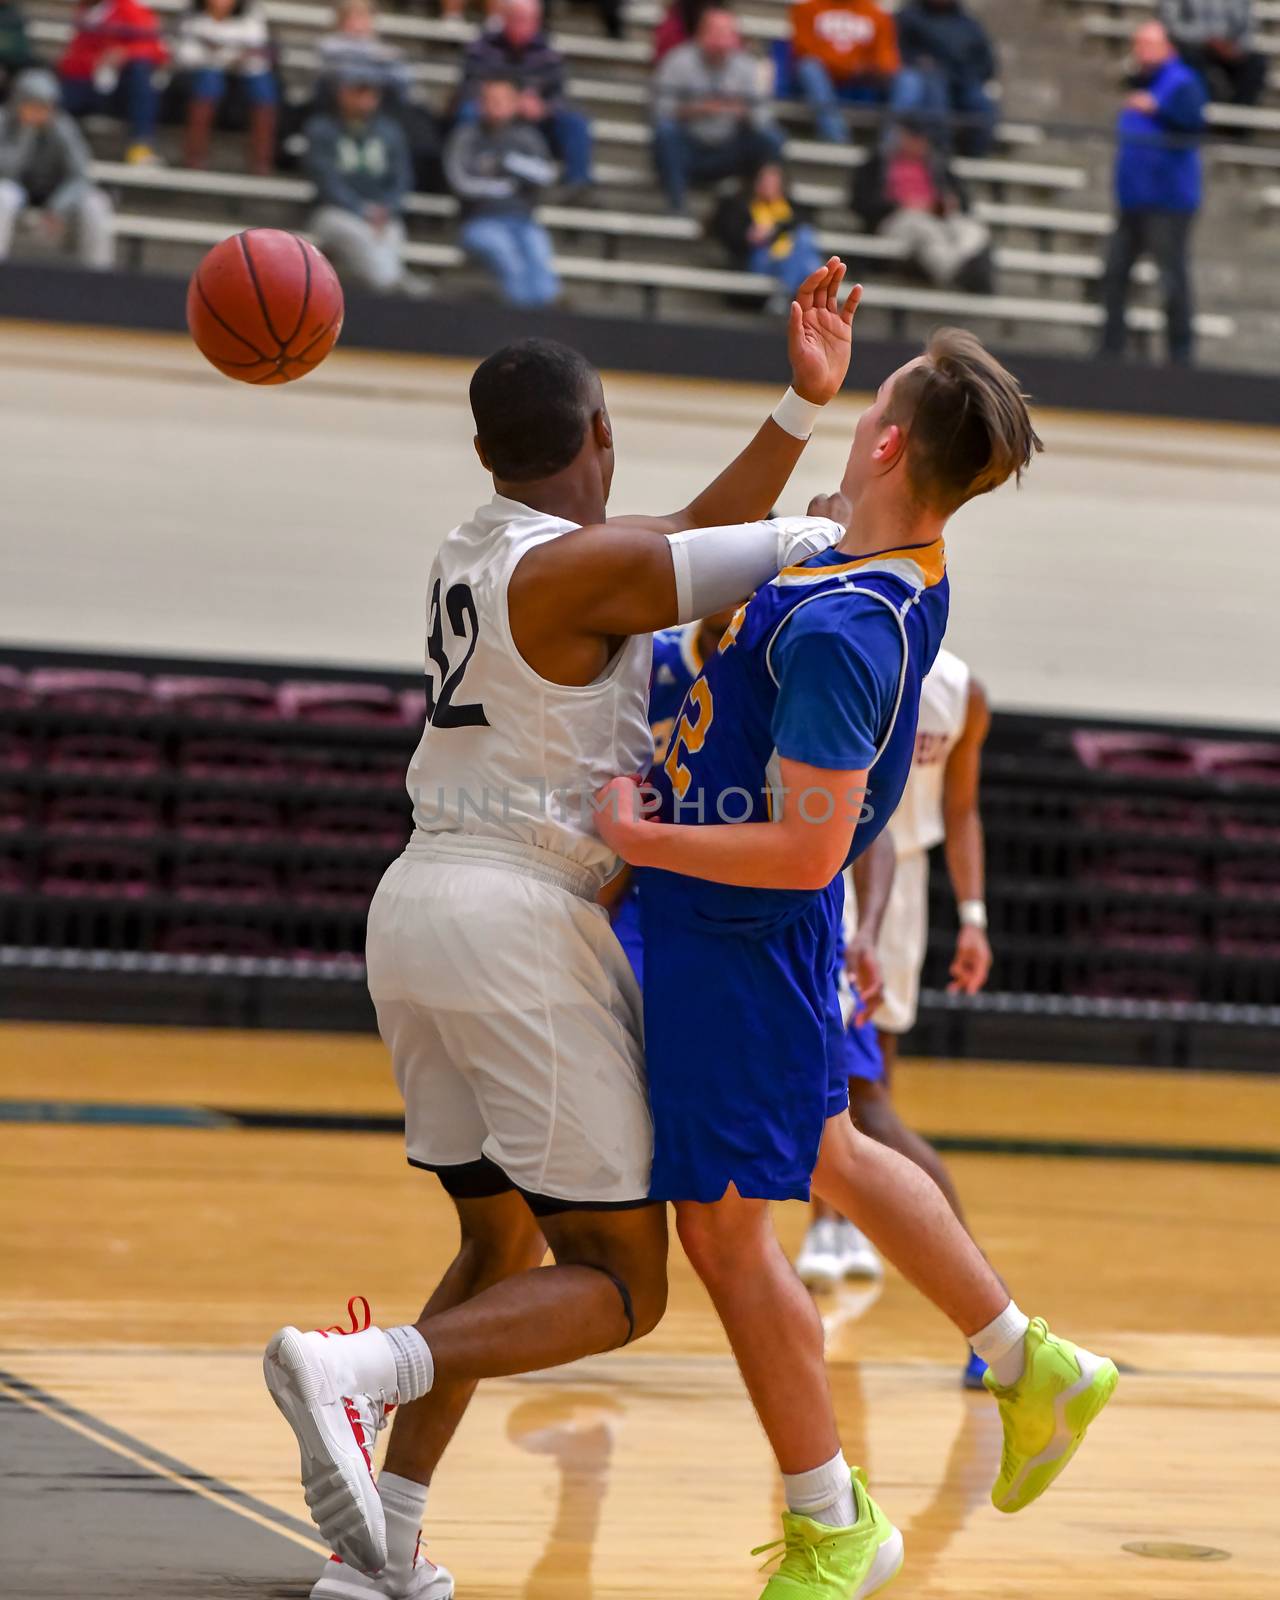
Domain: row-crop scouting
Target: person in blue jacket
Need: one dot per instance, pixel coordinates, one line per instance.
(1159, 186)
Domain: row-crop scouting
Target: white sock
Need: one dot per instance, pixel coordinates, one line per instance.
(1001, 1345)
(415, 1370)
(824, 1495)
(404, 1502)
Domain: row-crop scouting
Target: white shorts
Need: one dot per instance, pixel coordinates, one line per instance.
(904, 935)
(513, 1019)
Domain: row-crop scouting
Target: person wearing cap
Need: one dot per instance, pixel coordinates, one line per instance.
(44, 173)
(358, 159)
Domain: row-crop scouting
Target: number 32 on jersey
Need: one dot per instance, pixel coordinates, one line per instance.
(464, 627)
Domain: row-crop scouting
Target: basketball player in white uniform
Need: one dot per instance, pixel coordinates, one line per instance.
(509, 1008)
(887, 941)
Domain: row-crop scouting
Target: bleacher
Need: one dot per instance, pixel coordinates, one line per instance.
(622, 253)
(215, 833)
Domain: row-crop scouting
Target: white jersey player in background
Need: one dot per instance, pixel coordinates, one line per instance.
(887, 927)
(509, 1008)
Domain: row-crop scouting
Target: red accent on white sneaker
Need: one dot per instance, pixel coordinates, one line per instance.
(356, 1325)
(357, 1428)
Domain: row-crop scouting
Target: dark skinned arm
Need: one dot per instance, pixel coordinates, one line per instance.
(872, 874)
(573, 598)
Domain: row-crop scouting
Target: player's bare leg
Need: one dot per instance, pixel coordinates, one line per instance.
(873, 1111)
(498, 1239)
(906, 1216)
(772, 1324)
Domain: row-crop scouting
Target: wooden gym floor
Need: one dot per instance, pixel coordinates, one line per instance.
(150, 1240)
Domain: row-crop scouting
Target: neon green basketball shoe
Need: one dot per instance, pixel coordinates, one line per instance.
(821, 1563)
(1046, 1414)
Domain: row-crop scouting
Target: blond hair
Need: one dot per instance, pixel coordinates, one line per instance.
(966, 420)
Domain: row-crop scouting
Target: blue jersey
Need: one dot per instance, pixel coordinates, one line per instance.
(824, 666)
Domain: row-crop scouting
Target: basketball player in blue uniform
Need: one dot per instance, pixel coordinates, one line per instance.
(788, 758)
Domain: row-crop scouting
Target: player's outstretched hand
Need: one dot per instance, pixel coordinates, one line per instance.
(971, 964)
(834, 507)
(820, 333)
(619, 814)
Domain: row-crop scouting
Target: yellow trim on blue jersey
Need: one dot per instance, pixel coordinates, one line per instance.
(689, 652)
(931, 559)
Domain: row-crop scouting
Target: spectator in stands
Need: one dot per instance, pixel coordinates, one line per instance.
(15, 47)
(842, 50)
(948, 61)
(358, 159)
(110, 68)
(44, 171)
(1159, 183)
(711, 113)
(763, 231)
(354, 48)
(907, 191)
(496, 166)
(1216, 38)
(515, 47)
(679, 24)
(218, 39)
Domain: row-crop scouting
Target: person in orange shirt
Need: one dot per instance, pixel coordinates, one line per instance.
(842, 50)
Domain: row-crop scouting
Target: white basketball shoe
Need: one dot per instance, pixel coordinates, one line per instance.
(333, 1389)
(858, 1257)
(426, 1581)
(820, 1265)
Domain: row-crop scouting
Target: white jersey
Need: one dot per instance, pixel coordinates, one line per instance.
(918, 823)
(505, 755)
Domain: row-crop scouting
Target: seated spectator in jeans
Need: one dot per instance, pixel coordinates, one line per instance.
(358, 159)
(842, 50)
(948, 59)
(762, 231)
(711, 114)
(44, 171)
(15, 47)
(906, 191)
(515, 47)
(110, 67)
(496, 166)
(218, 39)
(354, 48)
(1216, 38)
(1159, 184)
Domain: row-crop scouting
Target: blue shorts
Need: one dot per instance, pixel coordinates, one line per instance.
(626, 925)
(863, 1057)
(745, 1047)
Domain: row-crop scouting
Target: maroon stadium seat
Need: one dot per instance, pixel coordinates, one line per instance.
(15, 875)
(1138, 983)
(97, 867)
(1249, 877)
(413, 707)
(225, 880)
(1151, 930)
(346, 766)
(90, 813)
(1250, 935)
(1149, 871)
(227, 817)
(338, 885)
(334, 823)
(218, 697)
(104, 754)
(15, 751)
(1135, 755)
(95, 693)
(1149, 817)
(1246, 761)
(15, 810)
(15, 694)
(363, 703)
(196, 938)
(230, 760)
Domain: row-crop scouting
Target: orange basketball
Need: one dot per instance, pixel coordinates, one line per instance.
(265, 306)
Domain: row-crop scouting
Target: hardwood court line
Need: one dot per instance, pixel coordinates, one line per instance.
(135, 1452)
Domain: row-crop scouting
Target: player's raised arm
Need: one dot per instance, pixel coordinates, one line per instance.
(819, 343)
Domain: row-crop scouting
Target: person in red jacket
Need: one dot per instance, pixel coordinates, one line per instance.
(842, 50)
(110, 67)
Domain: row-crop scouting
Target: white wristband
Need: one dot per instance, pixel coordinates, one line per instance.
(795, 415)
(973, 914)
